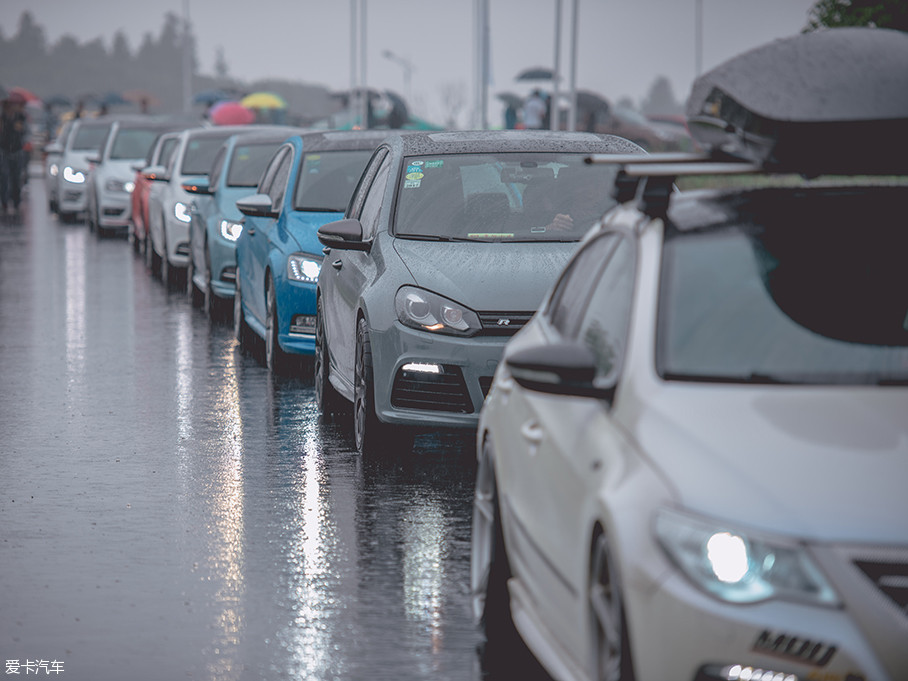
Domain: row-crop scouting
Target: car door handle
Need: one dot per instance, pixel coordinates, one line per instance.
(337, 264)
(532, 432)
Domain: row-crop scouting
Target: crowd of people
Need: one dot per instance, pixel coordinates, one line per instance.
(13, 154)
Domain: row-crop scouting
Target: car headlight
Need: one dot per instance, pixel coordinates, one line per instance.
(70, 174)
(181, 211)
(231, 230)
(428, 311)
(113, 185)
(303, 267)
(741, 567)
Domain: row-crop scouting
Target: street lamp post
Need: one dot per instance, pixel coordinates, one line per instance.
(407, 67)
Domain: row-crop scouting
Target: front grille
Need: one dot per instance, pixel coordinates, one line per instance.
(890, 577)
(503, 323)
(228, 273)
(113, 212)
(446, 391)
(183, 248)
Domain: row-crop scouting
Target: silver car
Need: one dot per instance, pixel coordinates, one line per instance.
(85, 140)
(448, 245)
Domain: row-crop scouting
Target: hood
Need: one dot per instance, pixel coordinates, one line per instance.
(819, 462)
(500, 277)
(303, 228)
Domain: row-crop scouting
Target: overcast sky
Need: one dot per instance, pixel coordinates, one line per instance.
(623, 45)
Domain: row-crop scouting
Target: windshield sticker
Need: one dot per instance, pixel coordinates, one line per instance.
(438, 163)
(411, 184)
(416, 163)
(415, 176)
(490, 235)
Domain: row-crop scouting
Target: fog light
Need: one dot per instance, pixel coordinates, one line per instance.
(737, 672)
(422, 367)
(303, 323)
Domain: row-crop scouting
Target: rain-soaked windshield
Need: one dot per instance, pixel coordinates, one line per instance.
(327, 179)
(133, 143)
(502, 197)
(90, 137)
(200, 153)
(248, 163)
(806, 298)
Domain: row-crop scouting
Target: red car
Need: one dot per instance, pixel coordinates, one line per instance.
(158, 156)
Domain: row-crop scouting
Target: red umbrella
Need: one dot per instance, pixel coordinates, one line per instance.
(230, 113)
(23, 95)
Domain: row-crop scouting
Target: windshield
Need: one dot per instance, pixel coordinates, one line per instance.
(200, 153)
(327, 180)
(90, 137)
(502, 197)
(818, 300)
(248, 163)
(133, 143)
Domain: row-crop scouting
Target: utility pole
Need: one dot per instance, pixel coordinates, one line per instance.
(187, 61)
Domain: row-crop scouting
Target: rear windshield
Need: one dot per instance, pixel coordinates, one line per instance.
(200, 153)
(816, 294)
(248, 163)
(327, 180)
(133, 143)
(90, 137)
(502, 197)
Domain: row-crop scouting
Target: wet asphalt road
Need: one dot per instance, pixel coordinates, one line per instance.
(169, 510)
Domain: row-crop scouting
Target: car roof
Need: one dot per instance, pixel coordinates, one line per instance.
(266, 134)
(477, 141)
(326, 140)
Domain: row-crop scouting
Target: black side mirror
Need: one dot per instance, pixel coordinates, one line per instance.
(344, 234)
(257, 206)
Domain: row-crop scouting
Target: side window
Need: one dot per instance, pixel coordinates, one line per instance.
(373, 200)
(365, 182)
(268, 176)
(573, 289)
(279, 183)
(167, 148)
(217, 167)
(605, 322)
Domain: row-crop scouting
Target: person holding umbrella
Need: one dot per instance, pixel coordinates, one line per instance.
(13, 133)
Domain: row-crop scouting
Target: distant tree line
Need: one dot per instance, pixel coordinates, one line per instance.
(74, 70)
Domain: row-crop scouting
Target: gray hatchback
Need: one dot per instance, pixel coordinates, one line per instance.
(447, 248)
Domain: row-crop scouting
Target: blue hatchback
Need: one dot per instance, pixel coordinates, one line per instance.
(215, 221)
(307, 184)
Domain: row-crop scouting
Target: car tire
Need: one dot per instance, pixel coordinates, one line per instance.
(489, 566)
(328, 400)
(611, 648)
(276, 359)
(241, 330)
(215, 307)
(152, 259)
(371, 436)
(196, 297)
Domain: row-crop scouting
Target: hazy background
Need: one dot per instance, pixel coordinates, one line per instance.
(624, 45)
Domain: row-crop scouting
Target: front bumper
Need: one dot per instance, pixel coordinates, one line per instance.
(73, 198)
(115, 211)
(425, 379)
(296, 316)
(177, 234)
(222, 265)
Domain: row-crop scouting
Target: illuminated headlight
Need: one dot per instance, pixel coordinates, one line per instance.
(231, 230)
(70, 174)
(119, 186)
(181, 211)
(302, 267)
(54, 170)
(739, 567)
(428, 311)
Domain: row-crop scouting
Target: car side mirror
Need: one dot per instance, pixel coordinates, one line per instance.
(156, 173)
(344, 234)
(202, 188)
(257, 206)
(558, 368)
(94, 160)
(53, 148)
(138, 167)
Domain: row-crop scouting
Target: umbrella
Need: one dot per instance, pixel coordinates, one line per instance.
(210, 97)
(58, 100)
(113, 99)
(231, 113)
(536, 73)
(263, 100)
(589, 101)
(22, 95)
(510, 99)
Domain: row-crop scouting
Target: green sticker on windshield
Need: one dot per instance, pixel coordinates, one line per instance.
(437, 163)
